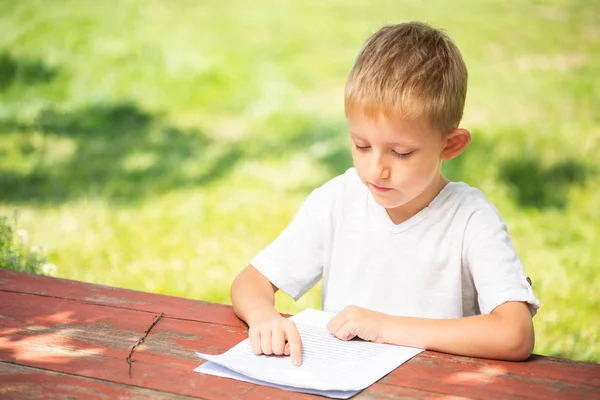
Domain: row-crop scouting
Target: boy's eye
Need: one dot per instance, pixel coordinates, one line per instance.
(402, 155)
(361, 148)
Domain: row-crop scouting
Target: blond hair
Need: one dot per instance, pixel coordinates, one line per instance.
(411, 70)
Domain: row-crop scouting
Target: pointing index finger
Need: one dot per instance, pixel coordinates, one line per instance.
(295, 342)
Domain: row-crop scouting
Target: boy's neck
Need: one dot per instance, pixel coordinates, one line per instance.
(403, 213)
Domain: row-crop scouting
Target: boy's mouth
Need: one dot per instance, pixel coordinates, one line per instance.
(379, 188)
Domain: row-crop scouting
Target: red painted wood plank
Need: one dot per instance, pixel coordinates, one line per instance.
(20, 382)
(490, 380)
(93, 341)
(550, 368)
(222, 314)
(177, 307)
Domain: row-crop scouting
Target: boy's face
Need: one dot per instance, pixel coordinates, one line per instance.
(398, 160)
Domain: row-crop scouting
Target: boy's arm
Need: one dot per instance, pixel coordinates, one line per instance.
(505, 334)
(253, 296)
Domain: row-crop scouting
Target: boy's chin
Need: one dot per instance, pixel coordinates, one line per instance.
(387, 203)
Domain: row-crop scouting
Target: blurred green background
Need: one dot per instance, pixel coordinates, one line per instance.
(159, 146)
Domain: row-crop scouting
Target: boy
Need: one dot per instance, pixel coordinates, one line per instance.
(406, 257)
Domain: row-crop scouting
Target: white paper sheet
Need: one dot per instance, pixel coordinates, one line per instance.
(330, 367)
(215, 369)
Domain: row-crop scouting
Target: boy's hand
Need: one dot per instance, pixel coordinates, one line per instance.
(276, 335)
(354, 321)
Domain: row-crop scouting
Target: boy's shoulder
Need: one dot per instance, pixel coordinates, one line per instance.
(464, 195)
(469, 207)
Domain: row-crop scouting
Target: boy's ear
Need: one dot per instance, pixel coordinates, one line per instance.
(456, 142)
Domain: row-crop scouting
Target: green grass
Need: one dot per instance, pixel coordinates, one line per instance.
(160, 145)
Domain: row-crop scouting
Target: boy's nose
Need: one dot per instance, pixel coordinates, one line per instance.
(379, 170)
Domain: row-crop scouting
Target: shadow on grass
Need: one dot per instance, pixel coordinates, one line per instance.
(28, 72)
(539, 186)
(114, 151)
(122, 153)
(534, 185)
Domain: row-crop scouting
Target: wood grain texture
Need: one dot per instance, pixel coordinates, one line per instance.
(75, 333)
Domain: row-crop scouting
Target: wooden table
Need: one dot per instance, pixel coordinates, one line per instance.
(66, 339)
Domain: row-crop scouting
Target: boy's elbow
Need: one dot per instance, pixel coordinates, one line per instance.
(515, 335)
(520, 352)
(519, 345)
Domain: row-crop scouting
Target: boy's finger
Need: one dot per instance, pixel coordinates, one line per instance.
(335, 323)
(296, 353)
(265, 342)
(254, 335)
(295, 343)
(345, 331)
(278, 342)
(286, 349)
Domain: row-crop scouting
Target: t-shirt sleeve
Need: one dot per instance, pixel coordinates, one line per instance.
(294, 260)
(497, 272)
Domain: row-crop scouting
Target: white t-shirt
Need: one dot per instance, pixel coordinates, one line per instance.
(452, 259)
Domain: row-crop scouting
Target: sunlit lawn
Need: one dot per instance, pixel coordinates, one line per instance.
(159, 145)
